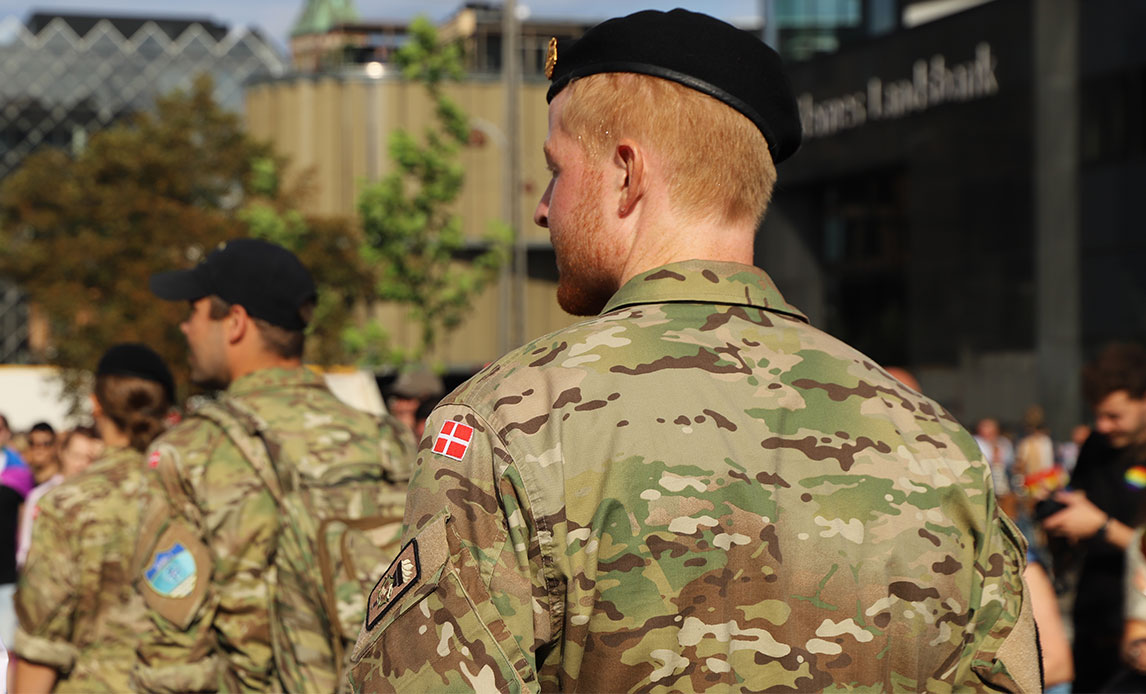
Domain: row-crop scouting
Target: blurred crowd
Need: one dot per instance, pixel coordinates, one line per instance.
(35, 462)
(1077, 502)
(693, 489)
(40, 459)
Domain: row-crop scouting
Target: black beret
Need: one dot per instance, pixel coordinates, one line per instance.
(265, 279)
(140, 361)
(698, 51)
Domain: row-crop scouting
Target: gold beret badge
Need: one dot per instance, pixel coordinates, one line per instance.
(551, 58)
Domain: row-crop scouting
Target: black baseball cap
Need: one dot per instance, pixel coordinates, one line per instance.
(697, 51)
(140, 361)
(265, 279)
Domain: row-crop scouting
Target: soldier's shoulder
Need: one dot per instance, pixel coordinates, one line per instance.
(844, 374)
(191, 431)
(310, 402)
(192, 440)
(68, 498)
(55, 499)
(533, 362)
(102, 478)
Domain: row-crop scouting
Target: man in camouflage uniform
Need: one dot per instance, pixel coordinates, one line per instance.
(694, 489)
(208, 541)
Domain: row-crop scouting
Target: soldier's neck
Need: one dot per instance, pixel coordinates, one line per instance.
(259, 362)
(112, 435)
(674, 239)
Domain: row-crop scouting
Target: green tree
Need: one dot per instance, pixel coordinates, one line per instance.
(329, 247)
(411, 233)
(81, 234)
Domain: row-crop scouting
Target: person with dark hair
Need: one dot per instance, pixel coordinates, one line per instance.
(1104, 505)
(693, 488)
(207, 572)
(41, 455)
(409, 392)
(80, 616)
(76, 449)
(422, 414)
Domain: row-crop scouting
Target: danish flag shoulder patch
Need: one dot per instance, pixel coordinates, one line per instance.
(453, 440)
(153, 459)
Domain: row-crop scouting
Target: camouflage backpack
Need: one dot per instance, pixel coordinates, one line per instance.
(340, 526)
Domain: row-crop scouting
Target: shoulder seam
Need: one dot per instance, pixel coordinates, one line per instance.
(556, 607)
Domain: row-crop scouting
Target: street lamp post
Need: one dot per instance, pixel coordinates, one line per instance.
(505, 283)
(511, 70)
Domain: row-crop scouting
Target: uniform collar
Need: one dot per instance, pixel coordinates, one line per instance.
(704, 281)
(269, 379)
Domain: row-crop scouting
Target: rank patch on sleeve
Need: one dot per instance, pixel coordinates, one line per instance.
(453, 440)
(172, 572)
(402, 573)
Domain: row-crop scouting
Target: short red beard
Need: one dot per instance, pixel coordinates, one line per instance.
(578, 303)
(586, 260)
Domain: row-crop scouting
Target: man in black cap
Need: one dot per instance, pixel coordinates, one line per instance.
(210, 543)
(693, 488)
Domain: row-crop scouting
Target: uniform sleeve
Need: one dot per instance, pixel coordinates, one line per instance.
(47, 595)
(1004, 647)
(459, 608)
(218, 635)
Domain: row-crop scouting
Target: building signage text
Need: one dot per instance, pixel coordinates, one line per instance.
(932, 83)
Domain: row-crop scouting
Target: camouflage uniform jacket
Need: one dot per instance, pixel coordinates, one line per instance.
(697, 490)
(219, 635)
(78, 610)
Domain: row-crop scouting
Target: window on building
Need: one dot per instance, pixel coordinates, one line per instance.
(864, 251)
(1112, 118)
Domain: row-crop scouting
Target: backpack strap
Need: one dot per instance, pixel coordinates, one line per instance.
(246, 432)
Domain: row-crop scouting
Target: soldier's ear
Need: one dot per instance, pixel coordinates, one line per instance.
(629, 157)
(97, 409)
(237, 324)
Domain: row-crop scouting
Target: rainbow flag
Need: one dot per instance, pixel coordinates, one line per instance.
(1041, 484)
(1136, 477)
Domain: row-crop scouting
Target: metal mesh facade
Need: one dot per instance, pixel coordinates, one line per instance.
(69, 76)
(13, 324)
(57, 86)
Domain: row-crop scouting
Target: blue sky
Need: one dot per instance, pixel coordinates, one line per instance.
(276, 16)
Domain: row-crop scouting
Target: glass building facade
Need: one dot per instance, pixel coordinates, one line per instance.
(801, 29)
(65, 76)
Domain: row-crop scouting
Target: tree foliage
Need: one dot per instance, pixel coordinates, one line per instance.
(81, 234)
(412, 235)
(329, 247)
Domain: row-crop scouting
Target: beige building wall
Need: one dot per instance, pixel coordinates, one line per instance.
(335, 131)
